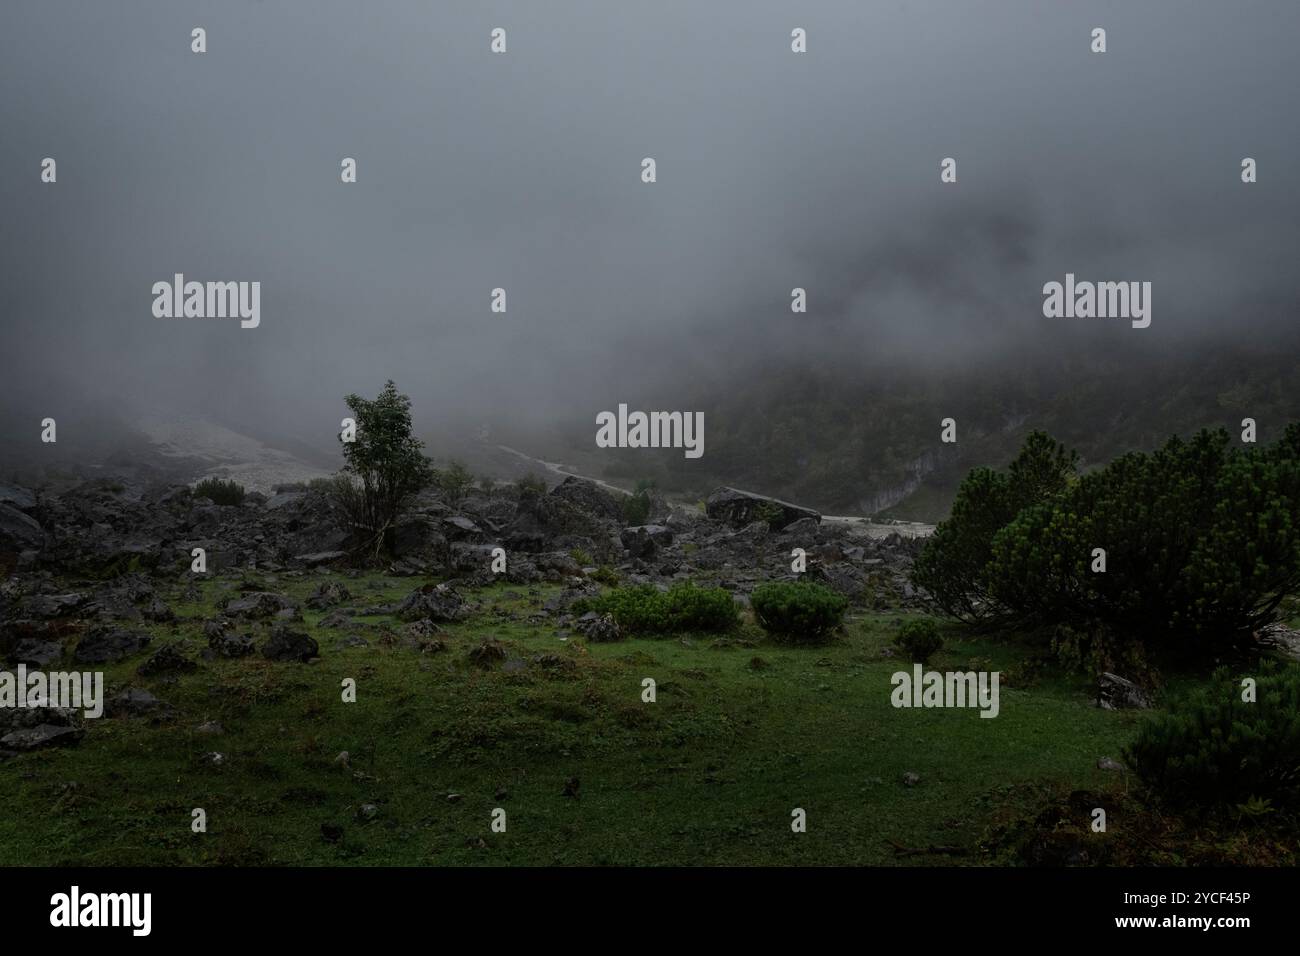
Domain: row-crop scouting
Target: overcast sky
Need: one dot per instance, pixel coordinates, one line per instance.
(522, 171)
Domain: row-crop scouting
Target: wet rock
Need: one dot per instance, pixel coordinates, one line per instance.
(739, 508)
(589, 497)
(321, 558)
(224, 642)
(46, 607)
(41, 736)
(645, 541)
(38, 653)
(598, 627)
(328, 594)
(460, 527)
(285, 644)
(19, 532)
(134, 702)
(18, 498)
(1118, 693)
(157, 611)
(258, 605)
(108, 644)
(168, 659)
(436, 603)
(336, 619)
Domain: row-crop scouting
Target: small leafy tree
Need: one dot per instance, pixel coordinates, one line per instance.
(454, 481)
(532, 485)
(386, 466)
(636, 507)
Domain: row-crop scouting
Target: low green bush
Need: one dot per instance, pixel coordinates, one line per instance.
(802, 612)
(1214, 750)
(644, 609)
(919, 640)
(221, 492)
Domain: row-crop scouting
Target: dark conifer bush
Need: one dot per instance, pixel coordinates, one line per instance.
(1214, 749)
(802, 612)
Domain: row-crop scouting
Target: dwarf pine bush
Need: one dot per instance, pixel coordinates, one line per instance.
(919, 640)
(221, 492)
(1214, 749)
(801, 612)
(644, 609)
(1201, 542)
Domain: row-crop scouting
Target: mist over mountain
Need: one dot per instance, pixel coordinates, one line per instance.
(775, 171)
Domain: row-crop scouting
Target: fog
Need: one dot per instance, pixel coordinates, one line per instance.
(523, 171)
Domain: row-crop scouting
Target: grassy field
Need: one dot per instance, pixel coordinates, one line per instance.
(742, 732)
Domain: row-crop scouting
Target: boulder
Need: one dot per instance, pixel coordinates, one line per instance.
(598, 627)
(320, 558)
(285, 644)
(589, 497)
(168, 659)
(328, 594)
(436, 603)
(134, 702)
(644, 541)
(225, 642)
(109, 644)
(40, 736)
(19, 532)
(1118, 693)
(740, 508)
(35, 652)
(258, 604)
(18, 498)
(46, 607)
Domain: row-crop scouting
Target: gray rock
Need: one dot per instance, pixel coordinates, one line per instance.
(46, 607)
(645, 541)
(285, 644)
(459, 525)
(17, 498)
(739, 508)
(19, 532)
(225, 642)
(33, 651)
(436, 603)
(258, 604)
(108, 644)
(328, 594)
(598, 627)
(320, 558)
(168, 659)
(1118, 693)
(40, 736)
(134, 702)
